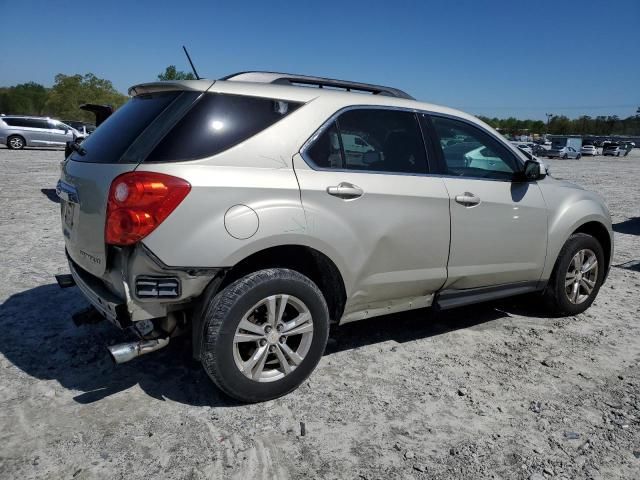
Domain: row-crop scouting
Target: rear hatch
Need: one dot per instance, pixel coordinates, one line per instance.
(116, 147)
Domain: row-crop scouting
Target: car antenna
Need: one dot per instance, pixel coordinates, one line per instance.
(192, 67)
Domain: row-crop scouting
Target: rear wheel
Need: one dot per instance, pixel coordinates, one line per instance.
(264, 334)
(16, 142)
(579, 157)
(577, 275)
(565, 156)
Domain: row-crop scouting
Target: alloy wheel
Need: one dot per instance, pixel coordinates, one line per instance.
(581, 276)
(16, 142)
(273, 338)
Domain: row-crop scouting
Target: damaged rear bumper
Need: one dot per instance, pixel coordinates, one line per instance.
(108, 304)
(119, 297)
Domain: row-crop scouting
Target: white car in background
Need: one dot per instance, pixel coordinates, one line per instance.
(524, 147)
(589, 150)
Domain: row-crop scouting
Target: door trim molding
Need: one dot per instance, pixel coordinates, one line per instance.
(452, 298)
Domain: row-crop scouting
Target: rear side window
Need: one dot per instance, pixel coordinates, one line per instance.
(371, 140)
(15, 122)
(117, 133)
(216, 123)
(26, 122)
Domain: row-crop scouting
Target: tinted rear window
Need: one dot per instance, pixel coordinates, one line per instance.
(26, 122)
(117, 133)
(216, 123)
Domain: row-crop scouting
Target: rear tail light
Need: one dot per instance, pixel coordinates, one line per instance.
(139, 202)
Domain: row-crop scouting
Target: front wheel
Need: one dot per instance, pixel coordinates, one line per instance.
(579, 157)
(264, 334)
(565, 156)
(577, 275)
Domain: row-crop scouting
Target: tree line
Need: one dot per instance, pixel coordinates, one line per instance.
(62, 100)
(70, 91)
(562, 125)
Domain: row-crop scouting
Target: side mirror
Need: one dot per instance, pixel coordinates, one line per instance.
(533, 170)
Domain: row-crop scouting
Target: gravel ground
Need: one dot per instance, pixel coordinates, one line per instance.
(494, 391)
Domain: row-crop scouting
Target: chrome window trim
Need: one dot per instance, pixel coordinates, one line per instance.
(327, 123)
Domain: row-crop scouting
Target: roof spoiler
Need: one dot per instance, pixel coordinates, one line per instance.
(154, 87)
(320, 82)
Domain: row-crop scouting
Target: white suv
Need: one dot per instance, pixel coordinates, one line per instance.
(255, 210)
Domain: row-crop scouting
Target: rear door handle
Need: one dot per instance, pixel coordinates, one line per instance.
(346, 191)
(468, 199)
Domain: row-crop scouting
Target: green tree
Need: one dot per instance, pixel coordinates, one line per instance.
(24, 99)
(171, 73)
(71, 91)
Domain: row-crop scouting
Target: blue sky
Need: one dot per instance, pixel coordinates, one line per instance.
(496, 58)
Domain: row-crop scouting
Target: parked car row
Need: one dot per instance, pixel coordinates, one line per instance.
(532, 148)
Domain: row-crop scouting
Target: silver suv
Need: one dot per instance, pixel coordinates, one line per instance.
(17, 132)
(255, 211)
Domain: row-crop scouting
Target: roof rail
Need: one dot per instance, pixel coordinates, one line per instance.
(320, 82)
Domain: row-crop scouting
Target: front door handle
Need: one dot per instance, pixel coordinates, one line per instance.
(346, 191)
(468, 199)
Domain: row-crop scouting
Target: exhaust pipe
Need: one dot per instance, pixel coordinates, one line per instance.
(123, 352)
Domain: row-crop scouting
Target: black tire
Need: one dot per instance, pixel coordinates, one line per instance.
(556, 295)
(579, 157)
(223, 315)
(565, 156)
(16, 142)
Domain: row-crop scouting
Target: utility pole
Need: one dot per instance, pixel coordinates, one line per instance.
(550, 116)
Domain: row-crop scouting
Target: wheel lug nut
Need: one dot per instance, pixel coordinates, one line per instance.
(280, 327)
(272, 348)
(268, 328)
(263, 342)
(282, 339)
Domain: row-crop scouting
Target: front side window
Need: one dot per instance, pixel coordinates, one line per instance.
(325, 151)
(371, 140)
(469, 152)
(58, 126)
